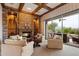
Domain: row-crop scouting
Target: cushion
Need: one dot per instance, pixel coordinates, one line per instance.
(20, 37)
(14, 37)
(57, 37)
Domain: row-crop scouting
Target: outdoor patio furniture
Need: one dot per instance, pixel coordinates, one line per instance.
(75, 39)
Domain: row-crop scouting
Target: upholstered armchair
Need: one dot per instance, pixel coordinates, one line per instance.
(56, 42)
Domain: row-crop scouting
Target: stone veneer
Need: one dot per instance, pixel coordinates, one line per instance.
(4, 24)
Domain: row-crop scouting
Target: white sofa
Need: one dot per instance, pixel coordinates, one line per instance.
(15, 50)
(56, 42)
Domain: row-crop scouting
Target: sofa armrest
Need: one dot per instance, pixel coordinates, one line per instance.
(28, 49)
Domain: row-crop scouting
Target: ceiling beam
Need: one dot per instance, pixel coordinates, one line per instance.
(38, 8)
(29, 13)
(3, 5)
(54, 8)
(44, 6)
(20, 6)
(48, 8)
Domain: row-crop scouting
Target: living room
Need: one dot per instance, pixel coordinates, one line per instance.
(23, 29)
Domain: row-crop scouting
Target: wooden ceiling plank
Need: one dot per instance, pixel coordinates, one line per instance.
(54, 8)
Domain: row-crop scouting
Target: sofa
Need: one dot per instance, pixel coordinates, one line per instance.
(56, 42)
(11, 49)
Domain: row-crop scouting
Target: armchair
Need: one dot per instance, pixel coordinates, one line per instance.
(56, 42)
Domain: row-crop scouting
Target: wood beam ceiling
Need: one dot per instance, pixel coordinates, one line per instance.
(18, 10)
(54, 8)
(40, 5)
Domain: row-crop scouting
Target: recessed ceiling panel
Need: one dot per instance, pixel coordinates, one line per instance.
(52, 5)
(29, 7)
(14, 5)
(41, 11)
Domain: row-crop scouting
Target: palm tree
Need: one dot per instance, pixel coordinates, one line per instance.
(52, 26)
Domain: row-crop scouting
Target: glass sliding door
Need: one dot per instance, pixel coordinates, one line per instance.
(71, 28)
(66, 25)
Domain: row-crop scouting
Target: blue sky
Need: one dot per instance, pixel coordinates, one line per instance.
(70, 21)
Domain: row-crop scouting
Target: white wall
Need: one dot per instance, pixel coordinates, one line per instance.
(0, 22)
(61, 10)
